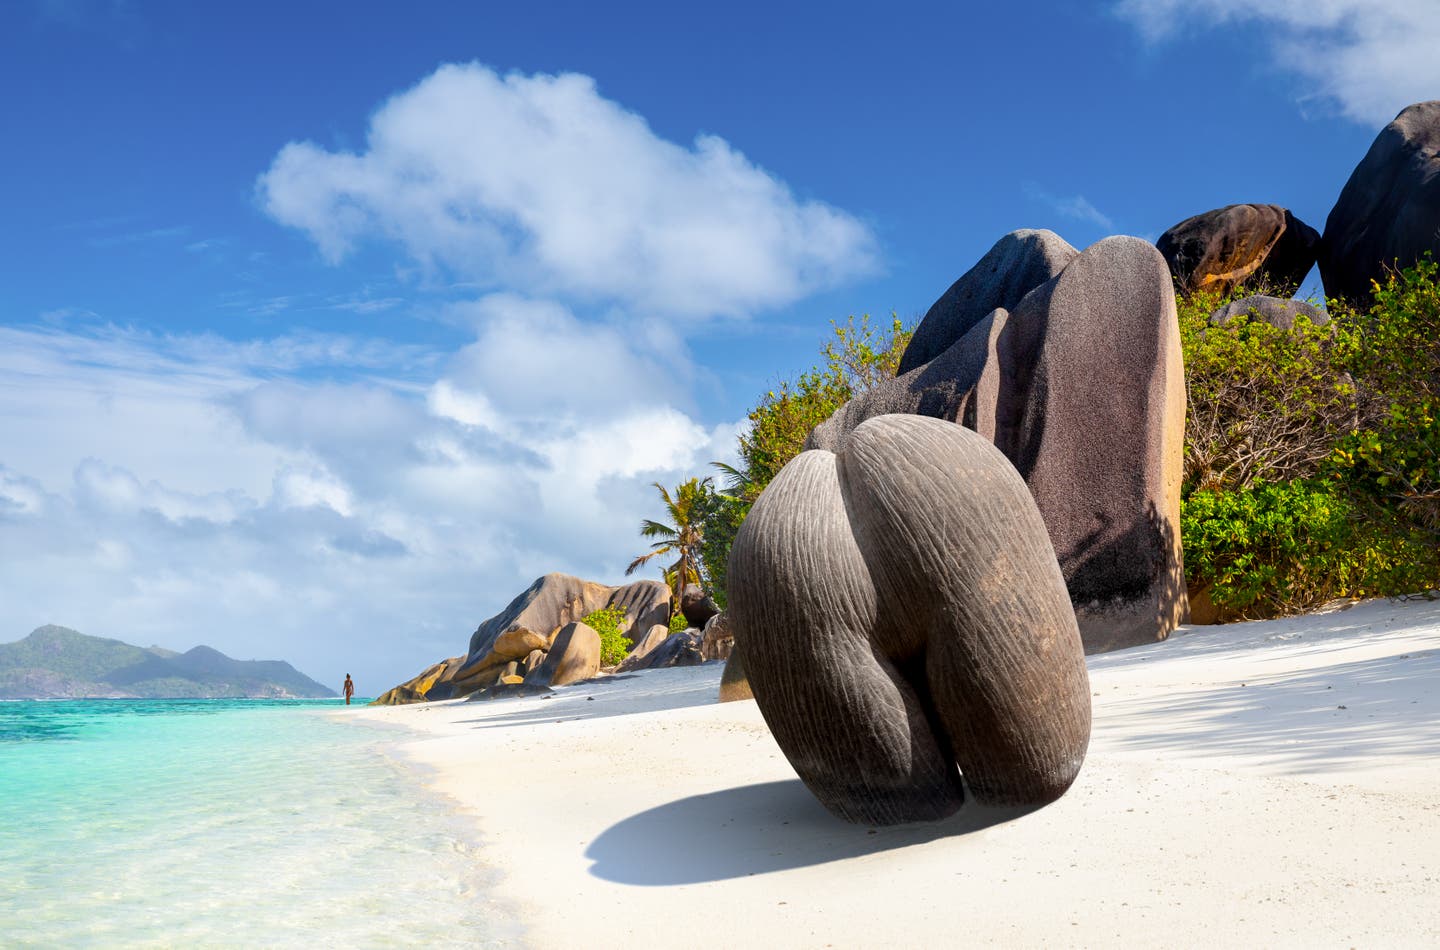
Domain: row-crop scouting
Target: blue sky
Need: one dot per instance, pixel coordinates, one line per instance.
(325, 328)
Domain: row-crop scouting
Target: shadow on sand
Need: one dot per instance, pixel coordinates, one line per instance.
(755, 829)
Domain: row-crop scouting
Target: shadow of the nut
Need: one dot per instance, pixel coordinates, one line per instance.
(756, 829)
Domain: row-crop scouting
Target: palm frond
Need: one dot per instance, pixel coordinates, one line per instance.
(654, 529)
(735, 480)
(638, 562)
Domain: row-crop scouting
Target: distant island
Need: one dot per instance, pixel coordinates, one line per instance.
(60, 663)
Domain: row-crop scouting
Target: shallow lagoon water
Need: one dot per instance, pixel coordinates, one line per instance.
(223, 823)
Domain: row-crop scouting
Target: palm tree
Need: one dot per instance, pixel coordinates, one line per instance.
(682, 536)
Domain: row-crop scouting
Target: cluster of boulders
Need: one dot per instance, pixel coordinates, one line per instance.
(914, 590)
(1077, 379)
(539, 641)
(918, 588)
(1387, 216)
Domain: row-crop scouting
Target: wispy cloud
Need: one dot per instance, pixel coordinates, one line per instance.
(1370, 57)
(365, 302)
(1075, 207)
(136, 237)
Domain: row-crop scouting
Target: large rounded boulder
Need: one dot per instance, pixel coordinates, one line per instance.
(574, 656)
(1016, 264)
(901, 612)
(697, 606)
(734, 686)
(1388, 214)
(1255, 243)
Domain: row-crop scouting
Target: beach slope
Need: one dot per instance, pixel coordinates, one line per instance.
(1273, 783)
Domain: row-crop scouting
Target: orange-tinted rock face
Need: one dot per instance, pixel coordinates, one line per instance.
(1223, 248)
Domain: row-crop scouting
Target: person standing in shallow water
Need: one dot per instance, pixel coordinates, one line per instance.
(349, 689)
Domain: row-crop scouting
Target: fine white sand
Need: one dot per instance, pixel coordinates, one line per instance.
(1260, 784)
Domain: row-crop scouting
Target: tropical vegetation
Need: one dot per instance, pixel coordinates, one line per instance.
(1312, 454)
(682, 535)
(614, 644)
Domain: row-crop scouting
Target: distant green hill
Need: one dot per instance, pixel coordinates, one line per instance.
(59, 663)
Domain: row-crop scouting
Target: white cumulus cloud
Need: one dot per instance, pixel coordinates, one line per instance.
(1371, 57)
(541, 184)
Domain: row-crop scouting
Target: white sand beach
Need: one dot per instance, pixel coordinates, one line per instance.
(1263, 784)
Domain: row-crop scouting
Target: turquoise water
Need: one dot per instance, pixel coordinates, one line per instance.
(226, 823)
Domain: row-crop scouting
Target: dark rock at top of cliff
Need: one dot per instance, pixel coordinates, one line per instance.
(1243, 243)
(1388, 213)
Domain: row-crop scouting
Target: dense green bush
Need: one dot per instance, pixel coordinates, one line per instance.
(1311, 454)
(1263, 403)
(1394, 453)
(1271, 549)
(678, 623)
(613, 643)
(858, 358)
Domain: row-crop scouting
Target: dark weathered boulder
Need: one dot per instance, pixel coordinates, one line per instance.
(1091, 412)
(678, 649)
(1221, 249)
(1082, 385)
(1388, 213)
(507, 691)
(716, 639)
(1275, 311)
(1292, 258)
(646, 604)
(401, 695)
(574, 656)
(1016, 264)
(697, 606)
(900, 610)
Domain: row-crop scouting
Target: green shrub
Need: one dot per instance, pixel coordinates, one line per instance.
(1272, 549)
(613, 643)
(1262, 404)
(678, 623)
(858, 358)
(1394, 453)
